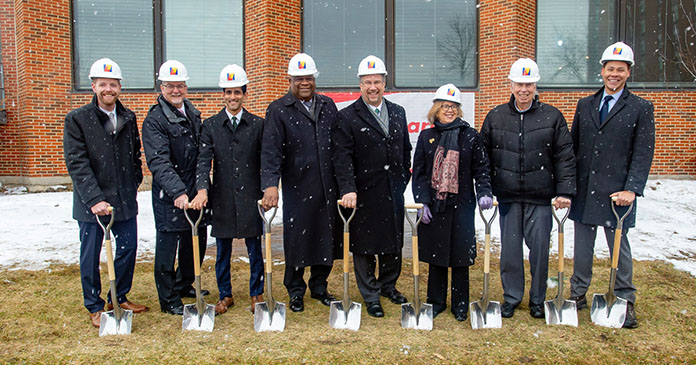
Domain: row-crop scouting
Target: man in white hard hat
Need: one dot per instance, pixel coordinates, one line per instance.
(171, 137)
(101, 144)
(372, 160)
(297, 148)
(614, 140)
(232, 139)
(532, 163)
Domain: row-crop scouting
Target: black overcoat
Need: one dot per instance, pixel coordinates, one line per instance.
(236, 185)
(612, 157)
(171, 148)
(449, 239)
(296, 148)
(377, 168)
(103, 166)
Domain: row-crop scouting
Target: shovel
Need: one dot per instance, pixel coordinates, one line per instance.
(560, 311)
(486, 313)
(119, 320)
(198, 316)
(608, 310)
(269, 315)
(344, 314)
(416, 315)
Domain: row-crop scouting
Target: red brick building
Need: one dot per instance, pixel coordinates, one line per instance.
(47, 45)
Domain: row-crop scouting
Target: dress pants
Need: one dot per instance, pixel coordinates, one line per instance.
(295, 284)
(171, 280)
(582, 262)
(531, 223)
(222, 266)
(369, 285)
(125, 235)
(437, 288)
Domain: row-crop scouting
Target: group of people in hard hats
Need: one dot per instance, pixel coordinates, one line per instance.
(524, 155)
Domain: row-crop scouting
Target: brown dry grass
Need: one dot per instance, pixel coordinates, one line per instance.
(42, 321)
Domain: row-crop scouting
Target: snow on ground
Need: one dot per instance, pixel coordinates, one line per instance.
(38, 229)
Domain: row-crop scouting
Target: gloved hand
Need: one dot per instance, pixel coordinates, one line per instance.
(427, 215)
(486, 202)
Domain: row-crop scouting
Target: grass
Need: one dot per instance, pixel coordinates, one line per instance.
(42, 320)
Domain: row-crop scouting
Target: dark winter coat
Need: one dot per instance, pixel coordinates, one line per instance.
(530, 153)
(613, 157)
(236, 185)
(377, 168)
(171, 147)
(103, 166)
(449, 239)
(296, 148)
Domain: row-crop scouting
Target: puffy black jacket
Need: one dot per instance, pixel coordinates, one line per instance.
(103, 166)
(531, 153)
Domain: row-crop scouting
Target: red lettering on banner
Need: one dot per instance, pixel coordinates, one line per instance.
(417, 127)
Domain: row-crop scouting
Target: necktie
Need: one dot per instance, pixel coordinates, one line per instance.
(604, 110)
(112, 118)
(234, 123)
(307, 105)
(377, 111)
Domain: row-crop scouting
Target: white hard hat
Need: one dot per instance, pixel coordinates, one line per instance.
(371, 65)
(524, 70)
(172, 70)
(302, 64)
(618, 51)
(105, 68)
(232, 76)
(448, 92)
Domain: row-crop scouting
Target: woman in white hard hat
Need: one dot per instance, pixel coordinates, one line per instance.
(449, 157)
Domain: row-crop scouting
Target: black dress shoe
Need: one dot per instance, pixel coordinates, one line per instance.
(438, 310)
(631, 322)
(325, 298)
(191, 293)
(580, 302)
(297, 304)
(394, 296)
(536, 310)
(375, 309)
(507, 310)
(177, 310)
(460, 316)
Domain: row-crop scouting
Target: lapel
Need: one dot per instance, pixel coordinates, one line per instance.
(318, 105)
(594, 108)
(620, 104)
(289, 100)
(362, 110)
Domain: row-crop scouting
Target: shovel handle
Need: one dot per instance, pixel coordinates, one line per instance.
(346, 253)
(269, 262)
(560, 251)
(416, 261)
(110, 260)
(413, 206)
(487, 255)
(617, 248)
(196, 257)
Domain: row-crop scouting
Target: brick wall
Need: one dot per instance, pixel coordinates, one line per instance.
(36, 52)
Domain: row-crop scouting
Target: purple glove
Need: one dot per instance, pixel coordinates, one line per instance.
(427, 215)
(486, 202)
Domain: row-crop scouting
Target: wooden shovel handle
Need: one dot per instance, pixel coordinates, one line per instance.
(617, 249)
(110, 260)
(196, 257)
(269, 260)
(346, 253)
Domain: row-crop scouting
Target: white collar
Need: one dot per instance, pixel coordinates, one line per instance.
(238, 115)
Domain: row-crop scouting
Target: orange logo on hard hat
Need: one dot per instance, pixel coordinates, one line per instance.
(617, 50)
(302, 65)
(173, 71)
(230, 77)
(107, 67)
(450, 92)
(526, 71)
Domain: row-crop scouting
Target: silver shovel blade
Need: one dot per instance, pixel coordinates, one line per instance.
(566, 315)
(607, 314)
(421, 320)
(110, 325)
(488, 317)
(269, 320)
(341, 319)
(194, 321)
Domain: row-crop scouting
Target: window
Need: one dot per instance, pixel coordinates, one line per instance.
(424, 43)
(572, 36)
(204, 36)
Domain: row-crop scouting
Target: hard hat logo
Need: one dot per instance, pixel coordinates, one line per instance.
(371, 64)
(526, 71)
(173, 71)
(617, 50)
(230, 77)
(301, 65)
(108, 67)
(451, 92)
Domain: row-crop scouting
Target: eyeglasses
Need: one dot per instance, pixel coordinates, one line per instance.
(171, 87)
(448, 107)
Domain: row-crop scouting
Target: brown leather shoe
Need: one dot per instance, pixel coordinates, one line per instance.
(256, 299)
(135, 308)
(221, 306)
(96, 318)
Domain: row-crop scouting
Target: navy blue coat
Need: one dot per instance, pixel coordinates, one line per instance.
(103, 166)
(612, 157)
(377, 168)
(171, 143)
(296, 148)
